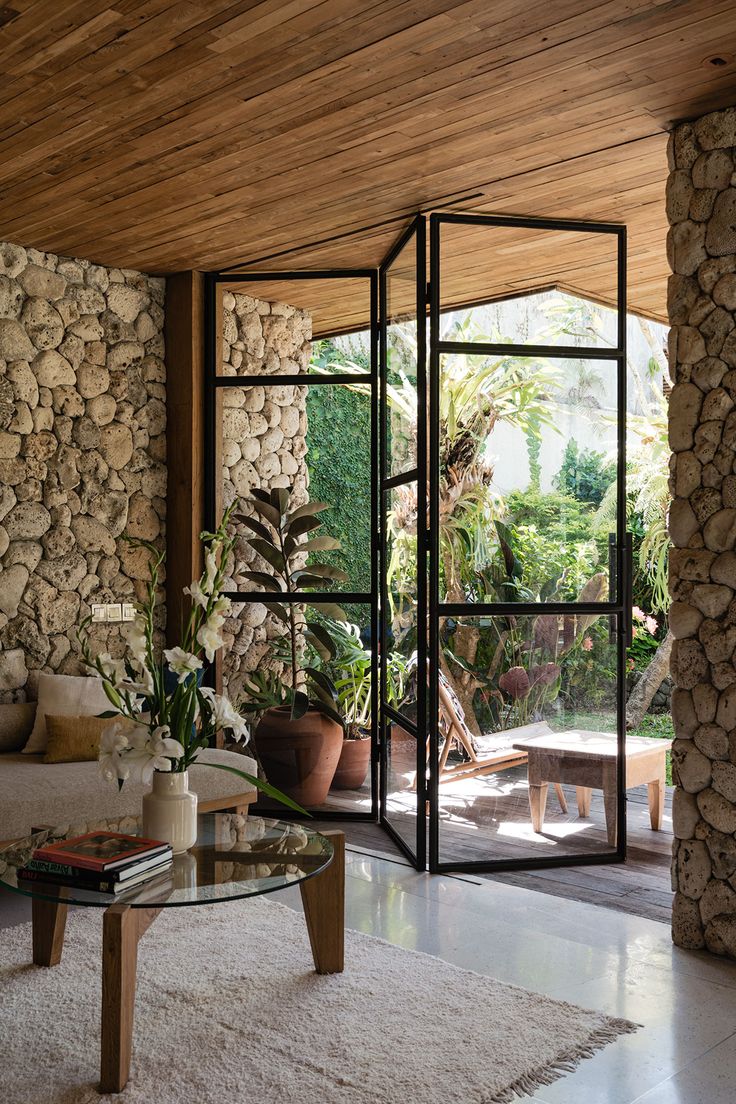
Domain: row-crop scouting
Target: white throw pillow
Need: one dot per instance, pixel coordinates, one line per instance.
(16, 724)
(64, 696)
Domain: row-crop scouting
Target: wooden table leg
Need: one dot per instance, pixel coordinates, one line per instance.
(537, 804)
(561, 797)
(49, 923)
(610, 800)
(122, 927)
(583, 795)
(656, 790)
(323, 897)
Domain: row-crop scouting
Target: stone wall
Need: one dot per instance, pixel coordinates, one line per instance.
(263, 445)
(82, 452)
(701, 206)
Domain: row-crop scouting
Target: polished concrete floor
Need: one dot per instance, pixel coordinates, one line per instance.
(685, 1052)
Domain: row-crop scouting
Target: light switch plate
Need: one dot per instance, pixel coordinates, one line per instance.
(99, 613)
(128, 611)
(114, 611)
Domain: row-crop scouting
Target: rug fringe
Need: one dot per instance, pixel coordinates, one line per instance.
(565, 1063)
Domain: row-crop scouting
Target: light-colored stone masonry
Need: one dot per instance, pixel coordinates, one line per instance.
(263, 445)
(82, 452)
(701, 207)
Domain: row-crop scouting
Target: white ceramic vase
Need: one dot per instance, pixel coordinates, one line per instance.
(170, 810)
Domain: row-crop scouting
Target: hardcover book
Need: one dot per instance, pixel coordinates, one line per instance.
(119, 873)
(98, 883)
(100, 851)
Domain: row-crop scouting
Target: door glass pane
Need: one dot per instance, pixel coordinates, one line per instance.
(401, 782)
(512, 285)
(269, 326)
(307, 759)
(316, 440)
(401, 594)
(527, 478)
(528, 753)
(401, 352)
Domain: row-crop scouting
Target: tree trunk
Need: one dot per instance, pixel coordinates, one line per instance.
(652, 678)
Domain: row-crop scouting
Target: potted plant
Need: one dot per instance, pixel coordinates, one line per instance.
(300, 733)
(163, 716)
(350, 671)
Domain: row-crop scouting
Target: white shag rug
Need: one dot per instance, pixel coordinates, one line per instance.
(229, 1011)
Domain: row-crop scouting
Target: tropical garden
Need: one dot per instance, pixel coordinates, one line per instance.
(528, 494)
(537, 529)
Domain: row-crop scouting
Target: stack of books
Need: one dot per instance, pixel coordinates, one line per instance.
(107, 862)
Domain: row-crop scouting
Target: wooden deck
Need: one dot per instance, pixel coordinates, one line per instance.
(487, 819)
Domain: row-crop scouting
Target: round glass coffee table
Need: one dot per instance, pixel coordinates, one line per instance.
(234, 857)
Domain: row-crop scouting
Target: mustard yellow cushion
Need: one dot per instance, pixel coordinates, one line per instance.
(73, 739)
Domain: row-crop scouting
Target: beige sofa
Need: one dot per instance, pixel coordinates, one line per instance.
(34, 794)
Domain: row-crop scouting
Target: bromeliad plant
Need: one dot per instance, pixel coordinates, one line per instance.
(165, 717)
(278, 540)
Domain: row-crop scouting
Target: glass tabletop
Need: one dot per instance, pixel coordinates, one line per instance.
(235, 856)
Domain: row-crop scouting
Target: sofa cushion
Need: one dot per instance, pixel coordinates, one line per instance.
(16, 724)
(73, 739)
(65, 696)
(36, 794)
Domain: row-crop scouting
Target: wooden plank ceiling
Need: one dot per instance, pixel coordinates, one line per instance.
(169, 135)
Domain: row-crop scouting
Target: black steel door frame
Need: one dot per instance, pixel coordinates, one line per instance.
(416, 230)
(429, 607)
(618, 608)
(213, 282)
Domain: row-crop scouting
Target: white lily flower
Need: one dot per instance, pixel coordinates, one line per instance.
(197, 594)
(113, 745)
(223, 715)
(144, 686)
(136, 637)
(153, 751)
(210, 572)
(182, 663)
(114, 669)
(209, 637)
(222, 607)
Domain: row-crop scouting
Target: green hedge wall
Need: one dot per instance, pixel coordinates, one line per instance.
(339, 463)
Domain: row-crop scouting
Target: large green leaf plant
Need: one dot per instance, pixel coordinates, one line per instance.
(284, 537)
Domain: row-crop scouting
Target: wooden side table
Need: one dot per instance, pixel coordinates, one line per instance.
(589, 761)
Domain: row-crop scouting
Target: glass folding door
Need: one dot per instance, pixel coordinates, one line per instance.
(403, 575)
(292, 402)
(528, 610)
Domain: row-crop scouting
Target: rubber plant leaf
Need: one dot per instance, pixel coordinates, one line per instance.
(321, 679)
(305, 578)
(299, 705)
(278, 611)
(303, 524)
(280, 500)
(269, 552)
(257, 526)
(324, 637)
(265, 509)
(308, 509)
(326, 571)
(329, 609)
(263, 579)
(318, 544)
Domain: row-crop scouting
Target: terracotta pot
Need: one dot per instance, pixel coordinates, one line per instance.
(299, 757)
(353, 765)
